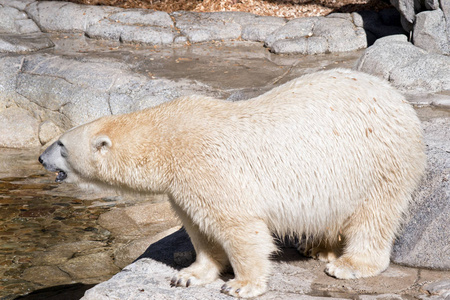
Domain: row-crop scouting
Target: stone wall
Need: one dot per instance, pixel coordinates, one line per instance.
(428, 21)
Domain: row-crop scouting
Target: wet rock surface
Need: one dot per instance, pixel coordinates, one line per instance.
(50, 234)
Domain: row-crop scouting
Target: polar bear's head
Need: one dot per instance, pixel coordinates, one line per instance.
(123, 153)
(77, 155)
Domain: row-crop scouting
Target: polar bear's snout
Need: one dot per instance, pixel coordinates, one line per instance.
(53, 160)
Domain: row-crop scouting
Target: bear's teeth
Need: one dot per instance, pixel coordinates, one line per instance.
(61, 176)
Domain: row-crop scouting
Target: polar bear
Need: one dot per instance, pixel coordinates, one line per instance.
(334, 154)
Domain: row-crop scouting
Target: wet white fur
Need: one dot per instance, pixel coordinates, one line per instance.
(330, 152)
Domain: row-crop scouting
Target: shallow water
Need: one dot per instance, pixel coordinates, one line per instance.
(37, 213)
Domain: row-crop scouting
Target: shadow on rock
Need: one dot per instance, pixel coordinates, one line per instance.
(175, 250)
(381, 24)
(66, 292)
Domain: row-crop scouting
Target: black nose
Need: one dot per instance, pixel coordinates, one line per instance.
(40, 160)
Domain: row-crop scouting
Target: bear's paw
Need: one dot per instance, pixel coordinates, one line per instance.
(352, 268)
(243, 288)
(193, 276)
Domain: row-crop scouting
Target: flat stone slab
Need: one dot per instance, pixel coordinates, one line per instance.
(24, 42)
(424, 241)
(293, 277)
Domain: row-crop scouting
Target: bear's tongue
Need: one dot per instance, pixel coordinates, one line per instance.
(61, 176)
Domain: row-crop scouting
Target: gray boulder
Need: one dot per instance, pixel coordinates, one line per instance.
(317, 35)
(406, 66)
(67, 17)
(18, 4)
(430, 32)
(203, 27)
(135, 26)
(144, 17)
(19, 129)
(14, 21)
(106, 29)
(429, 26)
(424, 241)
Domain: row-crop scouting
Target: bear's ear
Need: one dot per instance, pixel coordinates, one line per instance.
(102, 143)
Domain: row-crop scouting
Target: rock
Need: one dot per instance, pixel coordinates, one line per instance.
(77, 104)
(139, 220)
(60, 254)
(14, 21)
(18, 4)
(131, 33)
(292, 277)
(348, 38)
(296, 28)
(428, 73)
(258, 32)
(72, 91)
(430, 32)
(203, 27)
(19, 129)
(9, 67)
(142, 17)
(434, 26)
(424, 241)
(440, 288)
(48, 131)
(135, 26)
(258, 28)
(129, 252)
(24, 43)
(317, 35)
(149, 279)
(303, 45)
(65, 16)
(174, 250)
(407, 9)
(407, 67)
(46, 275)
(90, 266)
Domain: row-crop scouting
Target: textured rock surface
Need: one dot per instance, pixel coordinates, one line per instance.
(430, 32)
(406, 66)
(424, 241)
(24, 43)
(19, 129)
(429, 20)
(293, 277)
(141, 219)
(318, 35)
(65, 16)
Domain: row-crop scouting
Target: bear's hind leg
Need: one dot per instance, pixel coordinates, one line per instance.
(369, 235)
(248, 245)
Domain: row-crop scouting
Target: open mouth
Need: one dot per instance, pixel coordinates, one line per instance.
(61, 176)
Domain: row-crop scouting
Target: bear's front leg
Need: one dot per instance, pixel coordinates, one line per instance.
(248, 245)
(210, 261)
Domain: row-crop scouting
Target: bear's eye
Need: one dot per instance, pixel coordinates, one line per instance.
(63, 149)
